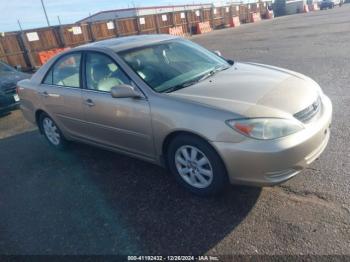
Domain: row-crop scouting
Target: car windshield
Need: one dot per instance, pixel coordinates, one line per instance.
(5, 68)
(175, 64)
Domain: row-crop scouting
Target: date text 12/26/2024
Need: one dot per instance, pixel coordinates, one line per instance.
(173, 258)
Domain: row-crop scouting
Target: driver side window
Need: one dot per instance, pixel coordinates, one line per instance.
(102, 73)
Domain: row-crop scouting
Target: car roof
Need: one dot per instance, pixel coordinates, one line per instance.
(129, 42)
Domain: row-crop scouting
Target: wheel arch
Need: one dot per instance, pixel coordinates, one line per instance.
(222, 176)
(38, 113)
(177, 133)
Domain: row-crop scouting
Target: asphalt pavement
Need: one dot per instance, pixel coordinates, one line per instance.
(90, 201)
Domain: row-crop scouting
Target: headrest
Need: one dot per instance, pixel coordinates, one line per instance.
(100, 71)
(136, 64)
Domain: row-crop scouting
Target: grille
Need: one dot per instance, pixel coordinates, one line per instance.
(10, 90)
(308, 113)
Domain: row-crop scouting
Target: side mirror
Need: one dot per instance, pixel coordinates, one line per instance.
(124, 91)
(217, 52)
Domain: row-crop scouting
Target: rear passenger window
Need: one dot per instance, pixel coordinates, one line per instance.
(65, 72)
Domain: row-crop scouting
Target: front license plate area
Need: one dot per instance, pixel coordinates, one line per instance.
(16, 98)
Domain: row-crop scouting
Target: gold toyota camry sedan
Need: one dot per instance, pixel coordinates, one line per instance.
(166, 100)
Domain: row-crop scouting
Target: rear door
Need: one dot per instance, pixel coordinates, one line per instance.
(122, 123)
(60, 92)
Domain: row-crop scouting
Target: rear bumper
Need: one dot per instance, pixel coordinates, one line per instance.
(263, 163)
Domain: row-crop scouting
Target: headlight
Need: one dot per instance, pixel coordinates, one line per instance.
(265, 128)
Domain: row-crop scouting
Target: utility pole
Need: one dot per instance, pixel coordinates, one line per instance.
(59, 20)
(47, 19)
(19, 24)
(23, 42)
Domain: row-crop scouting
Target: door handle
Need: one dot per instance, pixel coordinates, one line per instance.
(89, 102)
(44, 94)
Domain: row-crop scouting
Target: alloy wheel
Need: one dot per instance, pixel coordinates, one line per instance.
(193, 166)
(51, 131)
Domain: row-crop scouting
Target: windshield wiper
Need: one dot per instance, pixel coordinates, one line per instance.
(213, 72)
(180, 86)
(192, 82)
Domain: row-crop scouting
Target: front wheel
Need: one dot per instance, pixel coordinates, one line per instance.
(196, 165)
(51, 132)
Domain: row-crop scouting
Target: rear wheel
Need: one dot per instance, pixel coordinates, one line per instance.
(196, 165)
(51, 132)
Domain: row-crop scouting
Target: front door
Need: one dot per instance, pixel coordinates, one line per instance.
(122, 123)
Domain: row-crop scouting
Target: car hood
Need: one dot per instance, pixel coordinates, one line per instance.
(254, 90)
(10, 79)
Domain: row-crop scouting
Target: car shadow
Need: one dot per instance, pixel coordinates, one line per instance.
(5, 113)
(90, 201)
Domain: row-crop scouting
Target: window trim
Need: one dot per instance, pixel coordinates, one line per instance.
(85, 53)
(55, 63)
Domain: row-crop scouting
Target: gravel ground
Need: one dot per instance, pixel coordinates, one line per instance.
(13, 123)
(90, 201)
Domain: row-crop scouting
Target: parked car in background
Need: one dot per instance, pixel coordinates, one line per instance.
(9, 77)
(172, 102)
(325, 4)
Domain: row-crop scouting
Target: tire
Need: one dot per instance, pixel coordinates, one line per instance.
(52, 132)
(190, 172)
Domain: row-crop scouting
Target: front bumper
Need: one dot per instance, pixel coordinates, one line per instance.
(325, 5)
(7, 103)
(270, 162)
